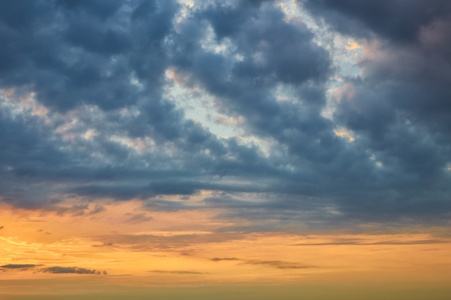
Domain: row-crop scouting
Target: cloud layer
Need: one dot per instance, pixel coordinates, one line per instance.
(90, 95)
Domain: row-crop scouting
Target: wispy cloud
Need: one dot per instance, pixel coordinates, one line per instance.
(278, 264)
(19, 266)
(179, 272)
(139, 218)
(361, 242)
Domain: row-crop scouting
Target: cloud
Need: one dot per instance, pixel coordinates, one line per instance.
(105, 244)
(89, 35)
(277, 264)
(179, 272)
(224, 258)
(398, 106)
(266, 263)
(20, 267)
(87, 114)
(339, 242)
(176, 242)
(71, 270)
(165, 205)
(397, 20)
(53, 270)
(139, 218)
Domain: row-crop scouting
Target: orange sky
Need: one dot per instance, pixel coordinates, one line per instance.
(186, 248)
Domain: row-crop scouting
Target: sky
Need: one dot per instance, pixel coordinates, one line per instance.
(225, 149)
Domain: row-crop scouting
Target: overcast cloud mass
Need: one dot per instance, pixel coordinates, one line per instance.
(250, 100)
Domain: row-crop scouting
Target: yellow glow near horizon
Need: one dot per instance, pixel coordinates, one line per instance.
(185, 247)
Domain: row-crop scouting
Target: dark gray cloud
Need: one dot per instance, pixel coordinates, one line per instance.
(19, 266)
(224, 258)
(398, 20)
(83, 52)
(72, 270)
(84, 110)
(399, 105)
(65, 71)
(53, 270)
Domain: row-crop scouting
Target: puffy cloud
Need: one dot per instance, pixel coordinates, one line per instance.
(399, 20)
(85, 113)
(398, 106)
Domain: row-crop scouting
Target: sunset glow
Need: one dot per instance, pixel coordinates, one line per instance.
(225, 149)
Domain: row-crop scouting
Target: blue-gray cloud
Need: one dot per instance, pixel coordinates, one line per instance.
(398, 20)
(400, 106)
(109, 131)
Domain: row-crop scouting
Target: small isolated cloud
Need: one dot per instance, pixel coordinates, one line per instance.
(223, 258)
(180, 272)
(277, 264)
(72, 270)
(20, 267)
(269, 263)
(105, 244)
